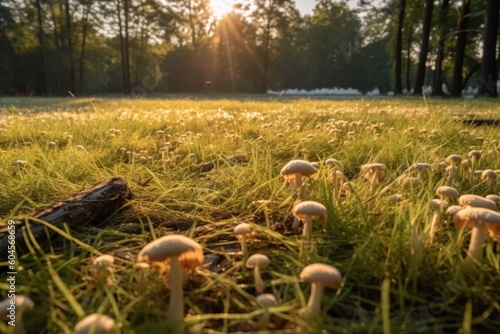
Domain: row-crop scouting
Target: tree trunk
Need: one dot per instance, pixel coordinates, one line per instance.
(70, 49)
(437, 87)
(126, 48)
(122, 52)
(487, 84)
(408, 59)
(82, 51)
(456, 85)
(398, 87)
(424, 49)
(41, 38)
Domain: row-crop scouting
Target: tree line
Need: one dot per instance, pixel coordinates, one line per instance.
(137, 47)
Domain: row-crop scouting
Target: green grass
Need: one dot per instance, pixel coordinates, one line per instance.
(392, 279)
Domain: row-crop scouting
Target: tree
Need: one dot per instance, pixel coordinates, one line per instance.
(456, 87)
(398, 47)
(424, 48)
(487, 86)
(437, 85)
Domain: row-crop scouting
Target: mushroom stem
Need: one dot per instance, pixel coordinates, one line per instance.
(259, 283)
(308, 227)
(176, 307)
(296, 223)
(314, 303)
(475, 252)
(244, 248)
(451, 176)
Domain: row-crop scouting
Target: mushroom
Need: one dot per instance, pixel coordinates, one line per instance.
(307, 211)
(319, 275)
(476, 202)
(489, 177)
(480, 220)
(257, 262)
(103, 268)
(95, 324)
(438, 206)
(453, 209)
(266, 300)
(294, 171)
(454, 159)
(183, 253)
(421, 168)
(141, 275)
(13, 309)
(494, 198)
(373, 172)
(452, 173)
(474, 156)
(242, 231)
(410, 183)
(446, 192)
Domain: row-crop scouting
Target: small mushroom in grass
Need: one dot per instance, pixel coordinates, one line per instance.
(489, 177)
(266, 300)
(103, 268)
(52, 145)
(453, 209)
(410, 184)
(242, 231)
(12, 309)
(480, 220)
(319, 275)
(293, 173)
(476, 202)
(446, 192)
(95, 324)
(451, 171)
(307, 211)
(373, 172)
(474, 156)
(141, 275)
(183, 253)
(421, 168)
(257, 262)
(454, 160)
(438, 206)
(494, 198)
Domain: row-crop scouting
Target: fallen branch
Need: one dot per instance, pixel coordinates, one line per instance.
(87, 207)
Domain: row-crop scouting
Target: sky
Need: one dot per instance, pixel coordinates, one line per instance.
(306, 6)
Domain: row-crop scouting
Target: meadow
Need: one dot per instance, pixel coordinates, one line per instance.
(199, 167)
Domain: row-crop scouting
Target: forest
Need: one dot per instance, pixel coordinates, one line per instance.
(141, 47)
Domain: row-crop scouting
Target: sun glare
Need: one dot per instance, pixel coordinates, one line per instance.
(221, 7)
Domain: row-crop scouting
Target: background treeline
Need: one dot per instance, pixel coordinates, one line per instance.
(81, 47)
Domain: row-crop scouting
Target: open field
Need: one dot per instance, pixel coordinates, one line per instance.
(223, 157)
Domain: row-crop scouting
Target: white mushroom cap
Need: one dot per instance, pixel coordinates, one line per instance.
(323, 274)
(470, 217)
(453, 209)
(332, 163)
(370, 169)
(266, 299)
(477, 202)
(258, 260)
(311, 208)
(242, 229)
(190, 252)
(488, 174)
(103, 261)
(420, 166)
(438, 205)
(474, 154)
(95, 323)
(409, 183)
(22, 303)
(446, 191)
(454, 159)
(494, 198)
(297, 167)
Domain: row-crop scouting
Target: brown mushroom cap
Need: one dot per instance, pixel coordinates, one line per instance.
(190, 252)
(100, 323)
(446, 191)
(323, 274)
(310, 208)
(258, 260)
(470, 217)
(474, 154)
(488, 174)
(476, 202)
(297, 167)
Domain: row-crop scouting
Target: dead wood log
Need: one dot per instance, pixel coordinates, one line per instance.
(87, 207)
